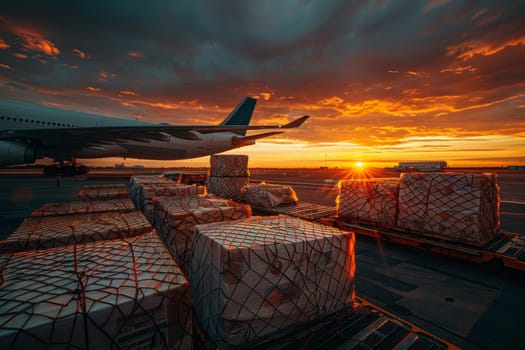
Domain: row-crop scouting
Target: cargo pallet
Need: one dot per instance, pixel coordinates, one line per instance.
(303, 210)
(507, 248)
(363, 326)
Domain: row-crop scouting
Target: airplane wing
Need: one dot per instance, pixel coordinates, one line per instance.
(81, 137)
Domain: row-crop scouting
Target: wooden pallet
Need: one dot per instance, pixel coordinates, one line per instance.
(303, 210)
(362, 326)
(508, 248)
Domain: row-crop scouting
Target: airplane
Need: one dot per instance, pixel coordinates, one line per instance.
(29, 132)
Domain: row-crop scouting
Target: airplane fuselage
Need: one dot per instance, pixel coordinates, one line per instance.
(19, 116)
(173, 148)
(29, 132)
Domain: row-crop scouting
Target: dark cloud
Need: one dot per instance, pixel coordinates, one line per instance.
(458, 65)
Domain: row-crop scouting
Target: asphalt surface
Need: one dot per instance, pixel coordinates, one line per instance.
(475, 306)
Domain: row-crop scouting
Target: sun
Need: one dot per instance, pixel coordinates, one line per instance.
(359, 164)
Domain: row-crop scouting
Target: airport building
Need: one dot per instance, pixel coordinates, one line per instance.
(421, 166)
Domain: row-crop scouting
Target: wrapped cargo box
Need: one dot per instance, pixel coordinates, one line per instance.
(176, 217)
(149, 191)
(252, 277)
(371, 201)
(268, 195)
(229, 165)
(84, 207)
(103, 193)
(54, 231)
(108, 294)
(138, 181)
(227, 187)
(458, 207)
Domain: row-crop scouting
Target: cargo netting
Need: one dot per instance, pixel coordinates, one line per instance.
(229, 165)
(458, 207)
(148, 193)
(137, 182)
(103, 193)
(227, 187)
(103, 295)
(268, 195)
(253, 277)
(54, 231)
(176, 218)
(370, 201)
(84, 207)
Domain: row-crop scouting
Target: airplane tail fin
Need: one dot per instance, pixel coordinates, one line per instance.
(241, 115)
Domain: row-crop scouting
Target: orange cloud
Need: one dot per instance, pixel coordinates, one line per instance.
(20, 56)
(127, 93)
(93, 89)
(34, 41)
(469, 49)
(459, 70)
(42, 45)
(79, 53)
(104, 76)
(3, 44)
(52, 104)
(5, 66)
(331, 101)
(266, 95)
(479, 13)
(135, 54)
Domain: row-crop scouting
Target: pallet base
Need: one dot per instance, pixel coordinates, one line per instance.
(507, 248)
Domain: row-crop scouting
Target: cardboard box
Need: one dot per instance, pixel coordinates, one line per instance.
(108, 294)
(176, 218)
(53, 231)
(370, 201)
(138, 181)
(148, 192)
(227, 187)
(457, 207)
(85, 207)
(229, 165)
(252, 277)
(268, 195)
(103, 193)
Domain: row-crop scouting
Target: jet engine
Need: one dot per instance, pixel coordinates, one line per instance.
(15, 153)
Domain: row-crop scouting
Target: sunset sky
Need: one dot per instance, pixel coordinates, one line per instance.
(382, 81)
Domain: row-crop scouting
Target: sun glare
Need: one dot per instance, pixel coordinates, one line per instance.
(359, 164)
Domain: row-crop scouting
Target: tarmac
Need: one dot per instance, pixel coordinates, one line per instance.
(475, 306)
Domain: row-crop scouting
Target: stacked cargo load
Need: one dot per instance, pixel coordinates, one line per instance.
(458, 207)
(268, 195)
(228, 174)
(370, 201)
(107, 294)
(138, 181)
(91, 193)
(253, 277)
(149, 192)
(176, 217)
(41, 232)
(84, 207)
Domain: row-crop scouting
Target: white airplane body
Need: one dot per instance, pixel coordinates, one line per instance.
(29, 132)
